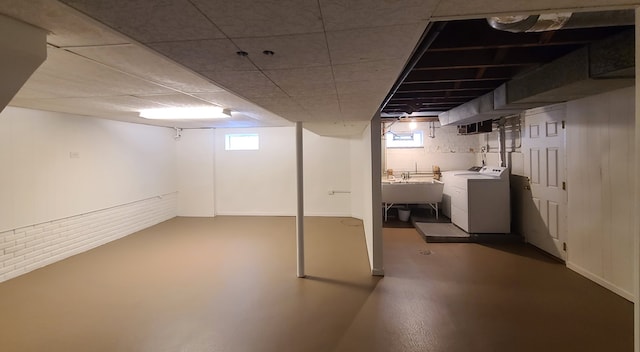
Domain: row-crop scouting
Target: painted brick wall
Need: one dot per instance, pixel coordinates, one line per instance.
(28, 248)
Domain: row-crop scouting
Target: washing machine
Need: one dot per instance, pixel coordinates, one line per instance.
(478, 201)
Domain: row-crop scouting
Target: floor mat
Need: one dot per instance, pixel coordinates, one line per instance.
(440, 230)
(448, 232)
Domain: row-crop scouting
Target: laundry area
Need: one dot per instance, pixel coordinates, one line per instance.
(527, 135)
(466, 204)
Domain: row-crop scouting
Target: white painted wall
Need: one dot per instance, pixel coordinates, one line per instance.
(600, 178)
(57, 165)
(262, 182)
(195, 170)
(448, 150)
(70, 183)
(327, 166)
(363, 204)
(256, 182)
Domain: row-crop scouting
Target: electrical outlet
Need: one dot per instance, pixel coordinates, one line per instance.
(74, 155)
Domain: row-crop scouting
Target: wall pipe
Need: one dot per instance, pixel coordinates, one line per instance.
(502, 142)
(300, 211)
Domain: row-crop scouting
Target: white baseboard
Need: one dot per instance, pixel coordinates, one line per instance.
(602, 282)
(319, 214)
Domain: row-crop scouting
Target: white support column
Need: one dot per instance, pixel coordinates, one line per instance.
(300, 192)
(636, 263)
(376, 193)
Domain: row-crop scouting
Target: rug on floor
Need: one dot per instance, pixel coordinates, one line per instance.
(440, 230)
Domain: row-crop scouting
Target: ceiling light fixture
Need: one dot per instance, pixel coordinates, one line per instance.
(412, 125)
(200, 113)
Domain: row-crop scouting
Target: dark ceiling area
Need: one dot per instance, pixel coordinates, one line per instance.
(458, 61)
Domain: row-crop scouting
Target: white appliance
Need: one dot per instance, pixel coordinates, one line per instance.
(478, 201)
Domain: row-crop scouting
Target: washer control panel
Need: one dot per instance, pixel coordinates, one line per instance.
(494, 171)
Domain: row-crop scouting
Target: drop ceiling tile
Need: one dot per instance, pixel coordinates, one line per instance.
(150, 21)
(336, 128)
(111, 107)
(290, 51)
(254, 109)
(249, 84)
(67, 27)
(249, 18)
(350, 14)
(381, 69)
(205, 55)
(359, 107)
(67, 75)
(284, 107)
(147, 64)
(325, 108)
(374, 44)
(308, 81)
(377, 88)
(174, 100)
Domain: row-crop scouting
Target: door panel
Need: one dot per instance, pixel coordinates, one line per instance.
(543, 148)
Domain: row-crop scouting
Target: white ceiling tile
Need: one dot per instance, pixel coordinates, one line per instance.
(151, 21)
(67, 28)
(308, 81)
(375, 88)
(249, 18)
(174, 100)
(381, 69)
(336, 128)
(256, 112)
(359, 107)
(290, 51)
(122, 106)
(324, 107)
(125, 109)
(249, 84)
(145, 63)
(350, 14)
(374, 44)
(66, 75)
(205, 55)
(285, 107)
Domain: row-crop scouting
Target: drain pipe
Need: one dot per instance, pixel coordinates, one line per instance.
(428, 37)
(502, 149)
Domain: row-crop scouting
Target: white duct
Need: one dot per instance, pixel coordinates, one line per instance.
(563, 20)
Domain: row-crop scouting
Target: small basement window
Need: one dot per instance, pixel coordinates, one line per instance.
(242, 141)
(412, 139)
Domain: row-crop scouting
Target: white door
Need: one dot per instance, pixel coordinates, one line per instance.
(545, 208)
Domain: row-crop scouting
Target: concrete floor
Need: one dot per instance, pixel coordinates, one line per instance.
(228, 284)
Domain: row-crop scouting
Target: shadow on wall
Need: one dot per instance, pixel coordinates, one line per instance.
(526, 219)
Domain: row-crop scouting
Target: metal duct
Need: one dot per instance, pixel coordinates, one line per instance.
(564, 20)
(599, 67)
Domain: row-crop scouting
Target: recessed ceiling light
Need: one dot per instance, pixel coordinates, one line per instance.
(200, 113)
